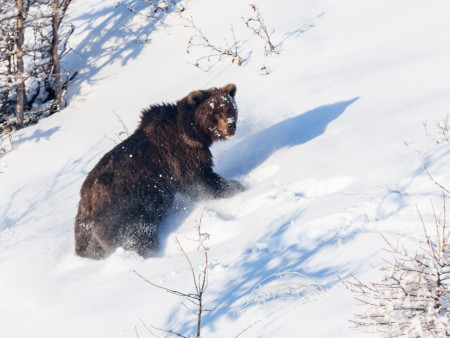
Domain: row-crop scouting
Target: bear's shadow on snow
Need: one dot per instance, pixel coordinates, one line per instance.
(244, 156)
(249, 153)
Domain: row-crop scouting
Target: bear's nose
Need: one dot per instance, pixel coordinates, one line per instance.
(231, 124)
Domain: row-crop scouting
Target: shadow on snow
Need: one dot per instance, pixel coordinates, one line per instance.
(114, 34)
(37, 136)
(253, 267)
(19, 209)
(255, 149)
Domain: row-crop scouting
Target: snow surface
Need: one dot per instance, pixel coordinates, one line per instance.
(330, 146)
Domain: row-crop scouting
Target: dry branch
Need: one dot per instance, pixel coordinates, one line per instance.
(258, 27)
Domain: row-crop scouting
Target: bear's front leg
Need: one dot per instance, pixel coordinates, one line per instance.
(217, 186)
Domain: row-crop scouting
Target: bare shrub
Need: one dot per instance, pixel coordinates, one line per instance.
(232, 47)
(199, 278)
(214, 53)
(195, 300)
(257, 25)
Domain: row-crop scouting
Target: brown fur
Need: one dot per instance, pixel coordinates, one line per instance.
(128, 193)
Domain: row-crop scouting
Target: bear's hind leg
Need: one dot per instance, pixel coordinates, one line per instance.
(141, 237)
(138, 236)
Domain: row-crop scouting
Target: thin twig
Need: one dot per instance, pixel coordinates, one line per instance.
(247, 328)
(136, 331)
(435, 182)
(150, 331)
(189, 262)
(175, 292)
(169, 331)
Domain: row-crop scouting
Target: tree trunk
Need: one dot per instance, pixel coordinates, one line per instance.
(20, 89)
(56, 74)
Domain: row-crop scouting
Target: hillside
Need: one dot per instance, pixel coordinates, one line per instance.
(330, 146)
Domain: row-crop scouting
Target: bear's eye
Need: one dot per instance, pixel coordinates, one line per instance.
(231, 112)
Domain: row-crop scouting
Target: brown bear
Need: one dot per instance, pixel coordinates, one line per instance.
(128, 193)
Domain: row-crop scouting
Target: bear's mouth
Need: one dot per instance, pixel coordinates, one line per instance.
(222, 134)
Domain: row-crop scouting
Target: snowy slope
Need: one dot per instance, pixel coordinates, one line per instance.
(320, 148)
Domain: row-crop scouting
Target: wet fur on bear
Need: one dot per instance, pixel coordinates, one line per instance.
(128, 193)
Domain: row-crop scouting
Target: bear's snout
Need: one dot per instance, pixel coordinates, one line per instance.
(226, 127)
(231, 125)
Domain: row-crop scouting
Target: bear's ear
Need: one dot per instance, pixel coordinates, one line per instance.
(196, 97)
(230, 89)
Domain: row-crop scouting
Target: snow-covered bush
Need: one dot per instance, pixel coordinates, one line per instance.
(440, 132)
(413, 298)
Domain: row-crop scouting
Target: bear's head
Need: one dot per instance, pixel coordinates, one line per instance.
(215, 111)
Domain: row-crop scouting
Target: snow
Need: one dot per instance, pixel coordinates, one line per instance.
(9, 13)
(320, 148)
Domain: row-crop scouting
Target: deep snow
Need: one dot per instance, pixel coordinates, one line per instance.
(320, 148)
